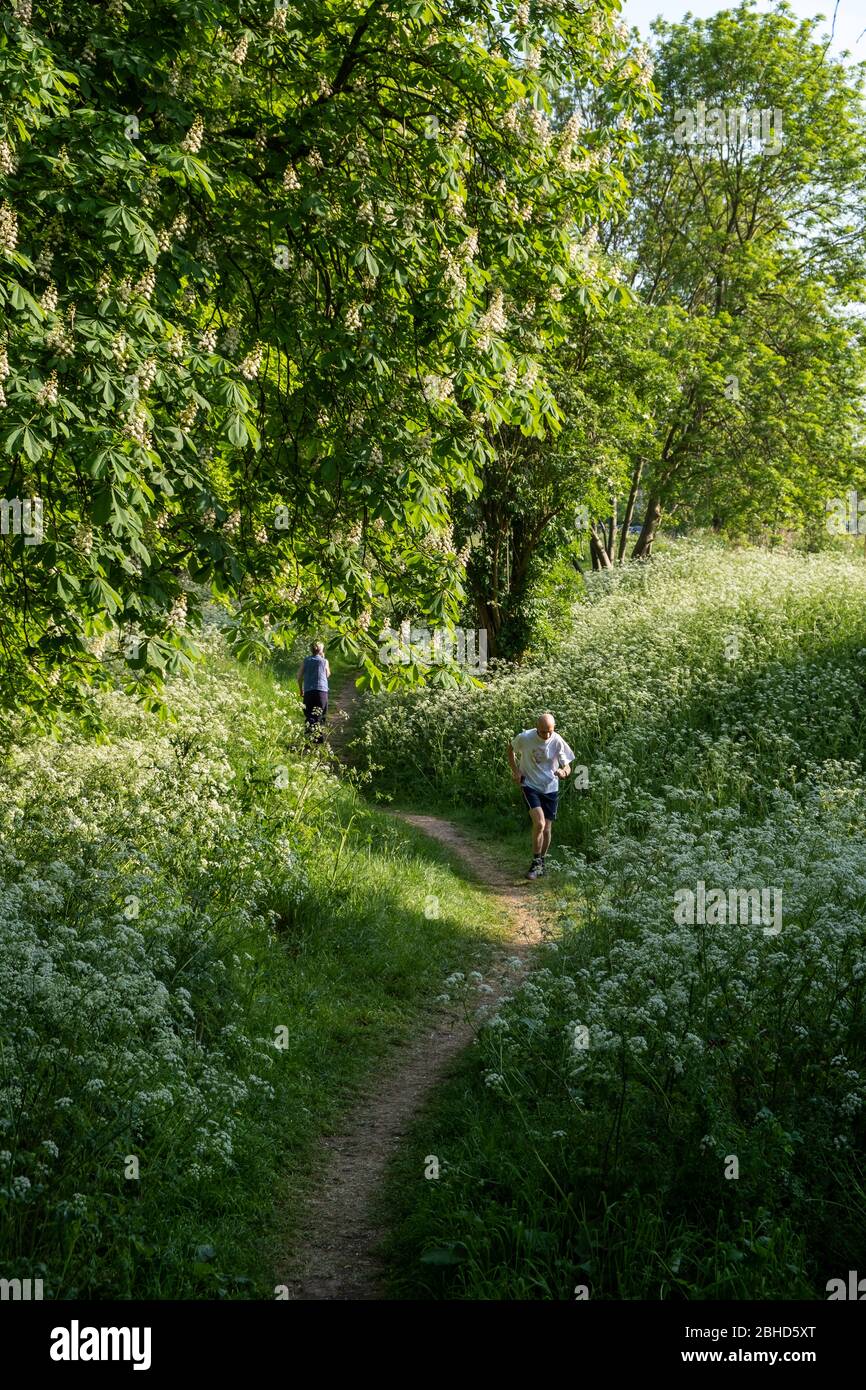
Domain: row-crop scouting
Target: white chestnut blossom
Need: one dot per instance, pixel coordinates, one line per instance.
(48, 391)
(252, 363)
(194, 138)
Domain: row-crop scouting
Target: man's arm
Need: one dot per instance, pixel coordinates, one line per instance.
(515, 770)
(564, 769)
(301, 679)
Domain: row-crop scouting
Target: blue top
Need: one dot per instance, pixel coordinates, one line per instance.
(315, 677)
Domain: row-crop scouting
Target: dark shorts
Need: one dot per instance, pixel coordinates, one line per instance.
(546, 800)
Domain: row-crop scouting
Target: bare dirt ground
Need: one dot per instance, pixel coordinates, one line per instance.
(338, 1259)
(337, 727)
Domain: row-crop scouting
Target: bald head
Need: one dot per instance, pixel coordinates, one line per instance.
(545, 725)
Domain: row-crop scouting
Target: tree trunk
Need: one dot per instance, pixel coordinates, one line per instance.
(629, 510)
(644, 544)
(598, 550)
(611, 535)
(489, 621)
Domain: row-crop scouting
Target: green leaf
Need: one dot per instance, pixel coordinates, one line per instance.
(154, 656)
(236, 430)
(34, 447)
(13, 439)
(103, 505)
(445, 1255)
(67, 586)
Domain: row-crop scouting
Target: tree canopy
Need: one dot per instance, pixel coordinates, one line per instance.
(727, 388)
(271, 275)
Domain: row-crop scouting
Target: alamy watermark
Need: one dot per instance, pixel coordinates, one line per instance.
(16, 1290)
(438, 646)
(77, 1343)
(718, 907)
(854, 1289)
(22, 518)
(734, 127)
(846, 516)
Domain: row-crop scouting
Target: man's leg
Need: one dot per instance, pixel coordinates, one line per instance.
(312, 713)
(317, 714)
(548, 805)
(545, 839)
(322, 716)
(537, 817)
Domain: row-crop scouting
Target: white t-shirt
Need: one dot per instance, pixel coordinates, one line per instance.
(538, 758)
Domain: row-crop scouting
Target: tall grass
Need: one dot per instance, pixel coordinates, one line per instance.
(665, 1108)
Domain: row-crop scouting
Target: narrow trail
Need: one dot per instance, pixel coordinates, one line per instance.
(339, 718)
(337, 1259)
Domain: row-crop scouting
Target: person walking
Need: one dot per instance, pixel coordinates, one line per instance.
(540, 759)
(313, 675)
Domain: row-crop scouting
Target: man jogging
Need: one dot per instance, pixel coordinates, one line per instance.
(313, 676)
(540, 759)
